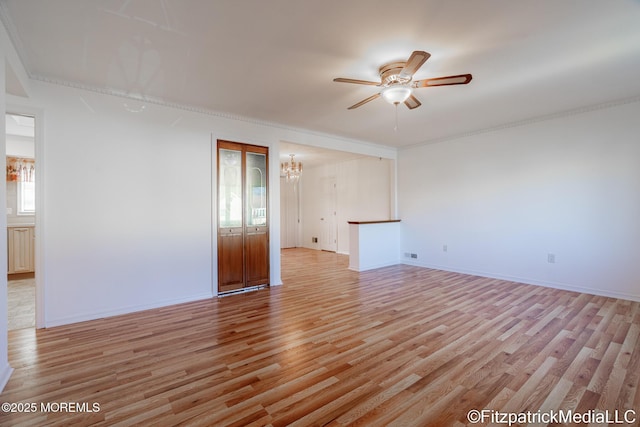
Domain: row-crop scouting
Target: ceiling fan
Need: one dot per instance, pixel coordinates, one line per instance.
(397, 85)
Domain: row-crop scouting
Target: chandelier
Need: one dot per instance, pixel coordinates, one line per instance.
(291, 170)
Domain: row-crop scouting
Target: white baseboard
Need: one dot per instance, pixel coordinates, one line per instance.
(529, 281)
(50, 323)
(374, 266)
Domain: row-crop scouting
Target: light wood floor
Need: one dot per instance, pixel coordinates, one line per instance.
(396, 346)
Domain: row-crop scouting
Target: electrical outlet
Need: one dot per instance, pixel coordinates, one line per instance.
(314, 240)
(551, 258)
(414, 256)
(445, 248)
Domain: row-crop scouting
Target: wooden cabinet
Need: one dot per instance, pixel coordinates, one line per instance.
(20, 250)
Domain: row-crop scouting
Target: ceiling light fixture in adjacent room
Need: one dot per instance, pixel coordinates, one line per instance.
(291, 170)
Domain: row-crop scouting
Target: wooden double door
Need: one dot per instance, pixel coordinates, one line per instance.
(243, 226)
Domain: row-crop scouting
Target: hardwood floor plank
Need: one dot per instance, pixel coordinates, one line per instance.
(557, 394)
(400, 345)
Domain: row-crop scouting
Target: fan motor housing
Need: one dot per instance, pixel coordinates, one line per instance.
(390, 74)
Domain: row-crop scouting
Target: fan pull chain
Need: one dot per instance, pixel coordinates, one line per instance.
(396, 128)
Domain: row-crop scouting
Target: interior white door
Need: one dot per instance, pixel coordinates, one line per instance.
(328, 224)
(289, 214)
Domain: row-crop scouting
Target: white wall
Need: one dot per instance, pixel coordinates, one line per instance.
(5, 368)
(128, 217)
(127, 220)
(19, 83)
(502, 201)
(364, 192)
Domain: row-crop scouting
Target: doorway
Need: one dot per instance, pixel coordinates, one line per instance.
(21, 211)
(243, 226)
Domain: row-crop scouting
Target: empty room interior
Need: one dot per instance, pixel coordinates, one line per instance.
(299, 213)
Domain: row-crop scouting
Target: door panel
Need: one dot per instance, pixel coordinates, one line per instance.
(257, 256)
(230, 239)
(229, 188)
(288, 215)
(256, 231)
(329, 227)
(230, 269)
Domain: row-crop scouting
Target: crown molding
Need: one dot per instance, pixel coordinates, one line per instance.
(529, 121)
(184, 107)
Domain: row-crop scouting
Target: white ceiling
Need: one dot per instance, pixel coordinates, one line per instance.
(19, 125)
(20, 133)
(311, 157)
(274, 60)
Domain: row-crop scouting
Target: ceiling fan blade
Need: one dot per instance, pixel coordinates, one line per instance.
(414, 62)
(412, 102)
(358, 82)
(364, 101)
(461, 79)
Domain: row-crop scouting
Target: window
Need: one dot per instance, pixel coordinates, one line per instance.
(26, 198)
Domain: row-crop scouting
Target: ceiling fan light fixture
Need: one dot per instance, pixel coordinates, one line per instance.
(396, 81)
(396, 94)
